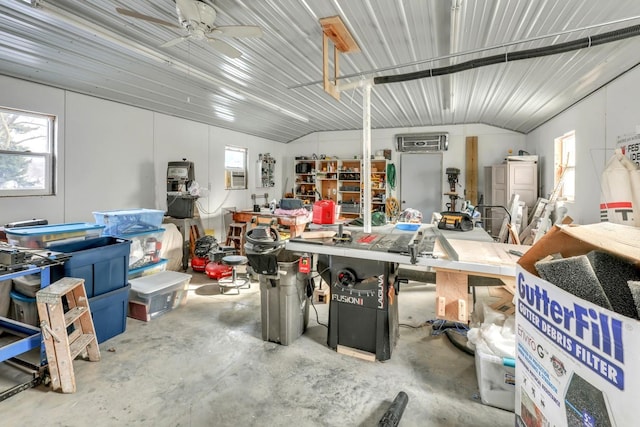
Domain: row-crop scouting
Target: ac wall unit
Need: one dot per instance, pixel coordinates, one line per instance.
(236, 180)
(422, 142)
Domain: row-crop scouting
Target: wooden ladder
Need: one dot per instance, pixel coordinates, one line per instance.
(235, 236)
(62, 342)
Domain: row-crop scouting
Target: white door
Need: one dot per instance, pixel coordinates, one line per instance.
(421, 183)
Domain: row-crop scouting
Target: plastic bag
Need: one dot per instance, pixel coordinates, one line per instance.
(410, 215)
(620, 187)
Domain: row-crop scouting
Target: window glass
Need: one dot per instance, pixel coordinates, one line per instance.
(565, 166)
(235, 168)
(234, 158)
(26, 153)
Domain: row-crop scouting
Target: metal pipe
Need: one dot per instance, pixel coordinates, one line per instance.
(365, 178)
(472, 51)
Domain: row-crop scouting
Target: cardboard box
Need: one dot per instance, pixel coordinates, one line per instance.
(577, 363)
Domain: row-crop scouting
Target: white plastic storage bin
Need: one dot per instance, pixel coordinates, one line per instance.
(27, 285)
(5, 297)
(496, 380)
(154, 295)
(25, 309)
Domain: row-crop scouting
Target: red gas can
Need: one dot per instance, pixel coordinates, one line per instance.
(324, 212)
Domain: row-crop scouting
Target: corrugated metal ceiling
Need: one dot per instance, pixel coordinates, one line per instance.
(86, 46)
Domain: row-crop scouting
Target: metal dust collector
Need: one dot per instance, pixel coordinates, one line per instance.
(180, 202)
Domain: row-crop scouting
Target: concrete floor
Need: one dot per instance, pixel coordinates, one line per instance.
(205, 364)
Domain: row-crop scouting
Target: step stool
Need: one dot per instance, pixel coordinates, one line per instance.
(234, 282)
(235, 236)
(63, 344)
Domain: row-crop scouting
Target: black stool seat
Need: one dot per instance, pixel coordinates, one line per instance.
(234, 282)
(235, 260)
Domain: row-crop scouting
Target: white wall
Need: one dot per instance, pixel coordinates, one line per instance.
(494, 144)
(113, 156)
(598, 121)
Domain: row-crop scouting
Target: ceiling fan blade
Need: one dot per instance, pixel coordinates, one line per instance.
(134, 14)
(224, 48)
(238, 31)
(174, 41)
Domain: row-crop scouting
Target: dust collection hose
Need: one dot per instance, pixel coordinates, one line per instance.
(391, 418)
(586, 42)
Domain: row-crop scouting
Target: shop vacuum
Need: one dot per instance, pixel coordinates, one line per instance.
(284, 287)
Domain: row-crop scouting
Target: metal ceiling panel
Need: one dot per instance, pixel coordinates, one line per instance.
(274, 90)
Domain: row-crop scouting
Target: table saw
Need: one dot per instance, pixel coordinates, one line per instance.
(361, 270)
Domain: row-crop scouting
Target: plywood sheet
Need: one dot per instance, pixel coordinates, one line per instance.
(485, 252)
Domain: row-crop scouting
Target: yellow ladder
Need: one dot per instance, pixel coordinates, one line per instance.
(61, 305)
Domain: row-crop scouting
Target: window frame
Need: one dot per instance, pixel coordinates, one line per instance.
(564, 161)
(48, 156)
(230, 170)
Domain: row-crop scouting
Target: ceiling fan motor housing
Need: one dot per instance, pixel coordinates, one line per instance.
(195, 14)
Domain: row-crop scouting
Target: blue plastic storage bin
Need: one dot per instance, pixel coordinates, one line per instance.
(43, 236)
(102, 262)
(129, 221)
(109, 313)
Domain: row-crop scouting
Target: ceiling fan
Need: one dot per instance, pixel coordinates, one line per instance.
(197, 18)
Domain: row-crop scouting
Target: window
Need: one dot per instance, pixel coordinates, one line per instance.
(235, 168)
(26, 153)
(565, 166)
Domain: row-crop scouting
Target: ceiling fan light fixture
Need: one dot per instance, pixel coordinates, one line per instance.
(158, 56)
(197, 18)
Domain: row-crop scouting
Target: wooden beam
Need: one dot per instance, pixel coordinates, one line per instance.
(471, 170)
(354, 352)
(342, 39)
(334, 29)
(329, 85)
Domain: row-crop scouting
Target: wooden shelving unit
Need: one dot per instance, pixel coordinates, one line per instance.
(340, 180)
(378, 185)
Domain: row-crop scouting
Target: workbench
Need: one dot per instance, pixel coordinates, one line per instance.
(28, 337)
(455, 257)
(294, 223)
